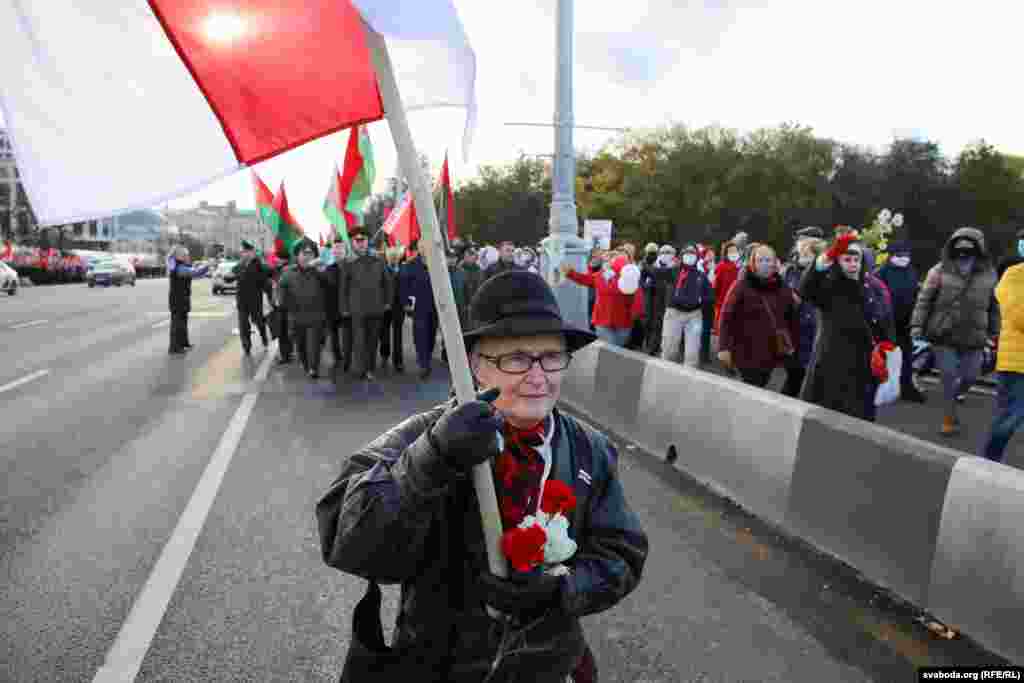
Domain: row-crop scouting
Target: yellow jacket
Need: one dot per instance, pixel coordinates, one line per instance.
(1010, 295)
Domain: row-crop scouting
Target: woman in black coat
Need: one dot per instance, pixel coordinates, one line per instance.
(839, 376)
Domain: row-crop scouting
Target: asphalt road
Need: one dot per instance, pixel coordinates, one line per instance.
(157, 522)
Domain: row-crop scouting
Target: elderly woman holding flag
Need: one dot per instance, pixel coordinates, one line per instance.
(404, 510)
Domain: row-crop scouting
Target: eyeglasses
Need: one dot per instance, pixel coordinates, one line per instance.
(521, 363)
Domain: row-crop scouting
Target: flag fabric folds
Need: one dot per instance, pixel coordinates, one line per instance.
(195, 90)
(351, 188)
(358, 175)
(446, 210)
(401, 226)
(264, 202)
(287, 231)
(434, 64)
(333, 208)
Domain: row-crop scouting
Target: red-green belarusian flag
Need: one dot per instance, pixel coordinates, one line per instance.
(286, 229)
(352, 187)
(446, 212)
(264, 202)
(332, 208)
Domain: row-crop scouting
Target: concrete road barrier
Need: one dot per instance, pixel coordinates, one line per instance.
(937, 526)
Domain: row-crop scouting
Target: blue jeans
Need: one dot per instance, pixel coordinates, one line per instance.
(1009, 414)
(960, 368)
(613, 335)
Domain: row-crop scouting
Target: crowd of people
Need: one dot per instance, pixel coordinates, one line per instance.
(826, 314)
(354, 301)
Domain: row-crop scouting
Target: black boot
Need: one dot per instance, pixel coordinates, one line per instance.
(912, 394)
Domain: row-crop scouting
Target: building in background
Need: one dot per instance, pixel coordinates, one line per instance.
(220, 226)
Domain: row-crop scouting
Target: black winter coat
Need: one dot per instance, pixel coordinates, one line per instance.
(331, 282)
(253, 283)
(414, 281)
(302, 295)
(179, 298)
(365, 286)
(387, 518)
(839, 376)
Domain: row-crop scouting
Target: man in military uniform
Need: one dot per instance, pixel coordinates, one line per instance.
(366, 295)
(253, 283)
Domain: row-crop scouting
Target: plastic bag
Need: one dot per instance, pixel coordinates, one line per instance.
(889, 391)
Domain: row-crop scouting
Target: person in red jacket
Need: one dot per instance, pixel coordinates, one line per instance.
(614, 287)
(726, 273)
(758, 312)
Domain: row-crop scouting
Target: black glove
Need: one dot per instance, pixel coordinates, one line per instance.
(467, 434)
(522, 594)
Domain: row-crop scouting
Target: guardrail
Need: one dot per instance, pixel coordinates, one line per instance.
(941, 528)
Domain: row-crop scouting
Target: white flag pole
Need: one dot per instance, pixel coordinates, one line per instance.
(432, 248)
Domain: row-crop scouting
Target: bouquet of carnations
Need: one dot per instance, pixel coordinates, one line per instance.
(541, 541)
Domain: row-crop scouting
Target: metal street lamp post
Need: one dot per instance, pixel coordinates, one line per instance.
(563, 244)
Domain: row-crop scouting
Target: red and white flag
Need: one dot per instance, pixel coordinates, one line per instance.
(401, 225)
(124, 104)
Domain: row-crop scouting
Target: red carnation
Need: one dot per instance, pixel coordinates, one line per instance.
(524, 548)
(558, 498)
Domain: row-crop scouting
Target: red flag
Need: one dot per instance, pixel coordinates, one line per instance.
(447, 212)
(401, 226)
(288, 231)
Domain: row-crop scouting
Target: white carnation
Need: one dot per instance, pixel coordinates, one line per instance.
(629, 279)
(897, 220)
(559, 547)
(884, 216)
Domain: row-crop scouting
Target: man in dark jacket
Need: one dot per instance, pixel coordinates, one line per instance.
(302, 295)
(366, 293)
(417, 297)
(394, 319)
(339, 325)
(179, 298)
(253, 283)
(506, 260)
(686, 290)
(957, 312)
(279, 314)
(472, 278)
(900, 276)
(404, 510)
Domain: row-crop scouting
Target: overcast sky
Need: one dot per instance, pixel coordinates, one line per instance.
(858, 71)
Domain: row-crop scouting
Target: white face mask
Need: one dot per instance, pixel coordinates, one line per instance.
(804, 261)
(689, 259)
(900, 261)
(733, 256)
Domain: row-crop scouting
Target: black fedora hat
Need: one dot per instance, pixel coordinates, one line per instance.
(518, 303)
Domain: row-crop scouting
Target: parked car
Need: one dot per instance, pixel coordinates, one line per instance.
(224, 278)
(110, 271)
(8, 279)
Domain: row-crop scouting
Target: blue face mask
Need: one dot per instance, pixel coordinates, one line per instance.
(1020, 248)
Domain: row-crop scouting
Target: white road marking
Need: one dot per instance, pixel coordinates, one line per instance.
(24, 380)
(125, 657)
(31, 323)
(162, 323)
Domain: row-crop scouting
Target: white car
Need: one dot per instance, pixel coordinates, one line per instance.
(8, 279)
(109, 271)
(224, 278)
